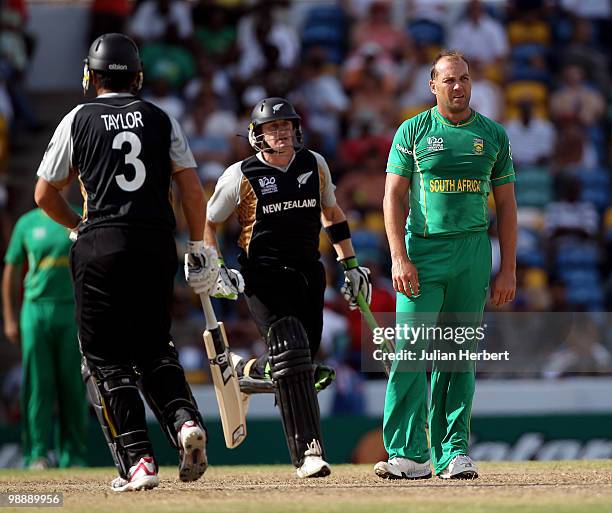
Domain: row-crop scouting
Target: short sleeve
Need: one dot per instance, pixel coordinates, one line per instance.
(180, 153)
(57, 160)
(226, 197)
(16, 252)
(328, 196)
(401, 160)
(503, 169)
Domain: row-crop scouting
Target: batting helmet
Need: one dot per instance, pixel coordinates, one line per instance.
(268, 110)
(112, 53)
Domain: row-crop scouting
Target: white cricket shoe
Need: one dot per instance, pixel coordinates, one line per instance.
(460, 467)
(142, 476)
(314, 465)
(403, 468)
(192, 451)
(40, 464)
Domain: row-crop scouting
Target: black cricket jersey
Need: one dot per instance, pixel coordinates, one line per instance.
(124, 151)
(279, 209)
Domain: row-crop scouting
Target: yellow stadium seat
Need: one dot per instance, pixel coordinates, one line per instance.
(526, 90)
(523, 33)
(535, 278)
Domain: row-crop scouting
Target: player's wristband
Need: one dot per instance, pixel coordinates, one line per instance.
(349, 263)
(338, 232)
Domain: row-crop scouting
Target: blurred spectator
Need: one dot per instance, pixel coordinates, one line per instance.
(264, 37)
(415, 95)
(479, 36)
(529, 24)
(6, 107)
(370, 60)
(592, 9)
(364, 138)
(16, 48)
(215, 32)
(172, 63)
(209, 129)
(582, 352)
(570, 216)
(582, 52)
(532, 138)
(321, 97)
(486, 95)
(160, 94)
(575, 100)
(435, 11)
(573, 151)
(209, 75)
(155, 20)
(364, 187)
(377, 27)
(106, 16)
(369, 104)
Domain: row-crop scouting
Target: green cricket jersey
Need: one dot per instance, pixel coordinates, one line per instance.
(46, 245)
(451, 168)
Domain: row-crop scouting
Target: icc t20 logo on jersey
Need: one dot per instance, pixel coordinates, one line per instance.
(478, 146)
(268, 185)
(435, 143)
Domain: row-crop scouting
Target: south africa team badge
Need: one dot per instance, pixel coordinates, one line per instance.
(478, 145)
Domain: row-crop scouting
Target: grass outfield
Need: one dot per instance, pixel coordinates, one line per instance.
(555, 487)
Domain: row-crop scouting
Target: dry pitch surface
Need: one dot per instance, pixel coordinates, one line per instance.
(555, 487)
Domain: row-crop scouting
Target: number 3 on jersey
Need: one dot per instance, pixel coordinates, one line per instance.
(131, 158)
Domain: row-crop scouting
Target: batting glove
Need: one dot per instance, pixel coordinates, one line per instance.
(201, 266)
(356, 280)
(229, 284)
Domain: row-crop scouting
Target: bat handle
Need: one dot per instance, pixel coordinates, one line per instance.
(365, 310)
(209, 312)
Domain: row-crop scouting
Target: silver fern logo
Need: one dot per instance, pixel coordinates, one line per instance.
(277, 107)
(303, 178)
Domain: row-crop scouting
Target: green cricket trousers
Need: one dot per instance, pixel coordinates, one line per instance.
(52, 382)
(454, 277)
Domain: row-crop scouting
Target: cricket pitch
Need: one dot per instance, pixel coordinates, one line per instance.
(576, 486)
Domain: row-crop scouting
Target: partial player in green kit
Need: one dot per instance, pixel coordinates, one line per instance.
(444, 161)
(50, 353)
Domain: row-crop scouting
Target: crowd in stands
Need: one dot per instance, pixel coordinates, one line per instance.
(355, 69)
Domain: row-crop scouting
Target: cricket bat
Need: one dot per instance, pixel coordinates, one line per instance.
(387, 345)
(225, 380)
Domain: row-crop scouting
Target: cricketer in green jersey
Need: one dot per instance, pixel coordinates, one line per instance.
(444, 161)
(51, 358)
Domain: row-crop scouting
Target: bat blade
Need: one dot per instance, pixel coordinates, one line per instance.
(227, 389)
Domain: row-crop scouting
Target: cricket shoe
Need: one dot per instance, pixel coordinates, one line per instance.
(40, 464)
(142, 476)
(402, 468)
(313, 465)
(192, 451)
(460, 467)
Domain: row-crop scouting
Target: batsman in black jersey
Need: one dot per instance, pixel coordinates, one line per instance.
(282, 195)
(125, 152)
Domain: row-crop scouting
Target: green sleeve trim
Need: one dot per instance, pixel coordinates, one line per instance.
(505, 176)
(505, 179)
(401, 172)
(389, 164)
